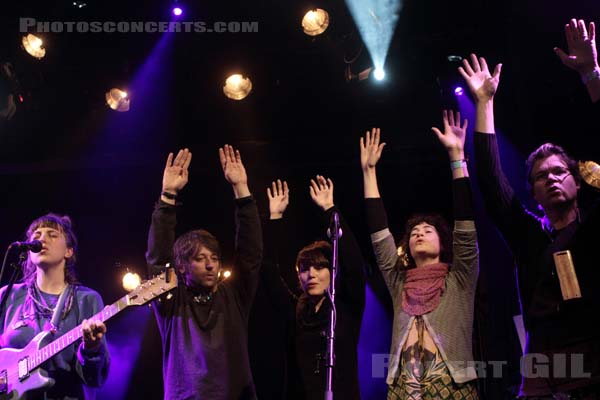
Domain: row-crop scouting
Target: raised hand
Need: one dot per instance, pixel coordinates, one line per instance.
(581, 43)
(92, 332)
(370, 149)
(234, 171)
(482, 84)
(454, 134)
(321, 192)
(175, 176)
(279, 198)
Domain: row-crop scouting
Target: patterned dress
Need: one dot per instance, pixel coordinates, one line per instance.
(424, 375)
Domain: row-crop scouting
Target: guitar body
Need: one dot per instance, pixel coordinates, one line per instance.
(13, 388)
(16, 380)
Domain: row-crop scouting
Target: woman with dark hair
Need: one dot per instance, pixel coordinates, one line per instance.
(308, 310)
(35, 305)
(431, 279)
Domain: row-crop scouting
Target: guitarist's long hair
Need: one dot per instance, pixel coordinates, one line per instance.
(61, 223)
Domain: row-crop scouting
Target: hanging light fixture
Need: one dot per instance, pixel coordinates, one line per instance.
(33, 45)
(315, 22)
(131, 280)
(590, 172)
(237, 87)
(117, 100)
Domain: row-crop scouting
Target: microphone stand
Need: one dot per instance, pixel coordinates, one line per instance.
(334, 233)
(16, 268)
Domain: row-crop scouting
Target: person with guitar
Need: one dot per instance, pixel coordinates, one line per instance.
(51, 300)
(204, 321)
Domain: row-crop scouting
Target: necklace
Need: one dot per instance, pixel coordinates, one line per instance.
(203, 298)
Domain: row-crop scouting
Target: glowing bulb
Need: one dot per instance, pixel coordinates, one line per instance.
(379, 74)
(237, 87)
(226, 274)
(33, 45)
(131, 280)
(315, 22)
(117, 100)
(177, 11)
(458, 91)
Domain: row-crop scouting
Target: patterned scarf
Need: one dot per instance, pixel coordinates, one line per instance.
(423, 288)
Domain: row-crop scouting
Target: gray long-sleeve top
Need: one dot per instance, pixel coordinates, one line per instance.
(450, 325)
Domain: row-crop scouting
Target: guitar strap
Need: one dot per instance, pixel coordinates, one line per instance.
(55, 321)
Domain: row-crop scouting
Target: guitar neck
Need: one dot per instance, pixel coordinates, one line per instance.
(37, 357)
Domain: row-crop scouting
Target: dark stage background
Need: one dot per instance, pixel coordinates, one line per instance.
(65, 151)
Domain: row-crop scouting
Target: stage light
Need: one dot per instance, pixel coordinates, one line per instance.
(315, 22)
(459, 91)
(117, 100)
(361, 76)
(226, 274)
(33, 45)
(237, 87)
(376, 21)
(177, 11)
(379, 74)
(131, 280)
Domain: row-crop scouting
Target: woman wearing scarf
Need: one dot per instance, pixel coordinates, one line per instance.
(432, 279)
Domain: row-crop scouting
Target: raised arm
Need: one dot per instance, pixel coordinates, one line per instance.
(162, 228)
(500, 200)
(370, 153)
(465, 263)
(248, 239)
(277, 272)
(583, 55)
(384, 246)
(453, 140)
(483, 86)
(351, 277)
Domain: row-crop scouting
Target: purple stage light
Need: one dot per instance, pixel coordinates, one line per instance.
(177, 11)
(458, 91)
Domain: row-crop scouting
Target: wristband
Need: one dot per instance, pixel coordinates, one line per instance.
(457, 164)
(170, 196)
(590, 76)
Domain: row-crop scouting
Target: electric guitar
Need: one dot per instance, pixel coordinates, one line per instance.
(20, 370)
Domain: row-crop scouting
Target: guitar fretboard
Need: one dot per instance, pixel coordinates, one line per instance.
(39, 356)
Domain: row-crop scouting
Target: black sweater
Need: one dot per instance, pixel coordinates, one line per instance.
(554, 326)
(205, 345)
(307, 329)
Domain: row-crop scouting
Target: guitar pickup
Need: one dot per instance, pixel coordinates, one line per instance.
(3, 381)
(23, 368)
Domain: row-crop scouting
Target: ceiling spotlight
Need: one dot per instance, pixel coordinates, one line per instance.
(454, 58)
(315, 22)
(361, 76)
(379, 74)
(117, 100)
(33, 45)
(131, 281)
(237, 87)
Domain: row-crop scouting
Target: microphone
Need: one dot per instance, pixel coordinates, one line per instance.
(334, 231)
(35, 246)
